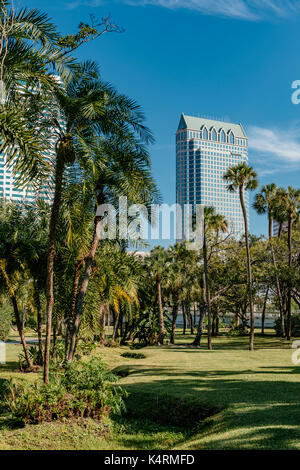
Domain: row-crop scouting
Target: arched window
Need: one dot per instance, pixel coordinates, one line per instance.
(222, 136)
(231, 138)
(205, 134)
(214, 135)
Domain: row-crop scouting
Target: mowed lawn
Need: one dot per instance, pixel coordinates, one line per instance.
(260, 393)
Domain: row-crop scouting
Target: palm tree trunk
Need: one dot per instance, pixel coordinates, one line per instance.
(37, 302)
(289, 293)
(84, 285)
(59, 170)
(102, 315)
(207, 290)
(71, 316)
(250, 286)
(116, 323)
(174, 318)
(161, 332)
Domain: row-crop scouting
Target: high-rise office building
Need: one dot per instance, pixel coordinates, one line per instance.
(10, 191)
(204, 150)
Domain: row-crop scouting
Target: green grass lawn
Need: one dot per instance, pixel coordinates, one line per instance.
(258, 390)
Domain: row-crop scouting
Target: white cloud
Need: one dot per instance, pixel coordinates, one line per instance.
(274, 150)
(241, 9)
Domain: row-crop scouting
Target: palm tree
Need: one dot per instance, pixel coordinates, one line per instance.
(157, 265)
(289, 203)
(91, 110)
(22, 245)
(208, 216)
(218, 223)
(122, 168)
(240, 178)
(266, 201)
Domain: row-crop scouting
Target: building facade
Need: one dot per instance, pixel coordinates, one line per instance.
(204, 150)
(10, 191)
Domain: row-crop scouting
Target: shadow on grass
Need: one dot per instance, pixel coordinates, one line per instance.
(262, 413)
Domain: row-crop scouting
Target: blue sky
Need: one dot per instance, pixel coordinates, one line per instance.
(229, 59)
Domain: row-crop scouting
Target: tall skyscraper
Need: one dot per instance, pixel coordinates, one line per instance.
(11, 192)
(204, 150)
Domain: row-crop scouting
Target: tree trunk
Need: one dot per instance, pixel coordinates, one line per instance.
(174, 318)
(17, 314)
(161, 332)
(197, 340)
(84, 285)
(54, 343)
(217, 318)
(263, 315)
(102, 314)
(116, 323)
(183, 317)
(59, 170)
(195, 318)
(191, 320)
(289, 293)
(71, 316)
(37, 302)
(207, 290)
(250, 286)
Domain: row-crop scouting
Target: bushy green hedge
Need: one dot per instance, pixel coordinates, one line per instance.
(83, 390)
(5, 321)
(132, 355)
(295, 326)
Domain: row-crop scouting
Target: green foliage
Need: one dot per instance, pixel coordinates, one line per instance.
(5, 321)
(237, 331)
(147, 326)
(133, 355)
(295, 319)
(82, 390)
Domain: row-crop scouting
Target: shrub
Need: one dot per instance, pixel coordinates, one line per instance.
(147, 327)
(82, 390)
(295, 319)
(133, 355)
(5, 321)
(238, 331)
(4, 390)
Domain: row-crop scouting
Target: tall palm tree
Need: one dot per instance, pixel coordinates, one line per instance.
(157, 264)
(266, 202)
(122, 168)
(289, 203)
(209, 213)
(91, 110)
(240, 178)
(218, 223)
